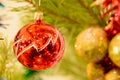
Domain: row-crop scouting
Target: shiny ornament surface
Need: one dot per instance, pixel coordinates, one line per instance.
(91, 44)
(114, 74)
(38, 45)
(95, 71)
(114, 50)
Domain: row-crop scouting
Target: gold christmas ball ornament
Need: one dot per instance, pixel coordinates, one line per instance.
(95, 72)
(91, 44)
(114, 50)
(114, 74)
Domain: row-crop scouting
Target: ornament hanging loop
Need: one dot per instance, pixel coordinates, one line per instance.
(38, 16)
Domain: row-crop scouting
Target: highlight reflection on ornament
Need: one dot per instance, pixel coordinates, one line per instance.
(114, 50)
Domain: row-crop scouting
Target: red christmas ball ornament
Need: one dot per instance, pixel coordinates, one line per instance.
(38, 45)
(113, 27)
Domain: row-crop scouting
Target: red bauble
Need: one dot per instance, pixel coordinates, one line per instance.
(38, 45)
(113, 27)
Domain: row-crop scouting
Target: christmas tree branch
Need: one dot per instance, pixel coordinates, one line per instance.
(82, 4)
(92, 13)
(53, 13)
(58, 15)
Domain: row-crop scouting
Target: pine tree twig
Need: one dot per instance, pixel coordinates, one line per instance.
(69, 19)
(64, 17)
(82, 4)
(55, 14)
(86, 7)
(91, 13)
